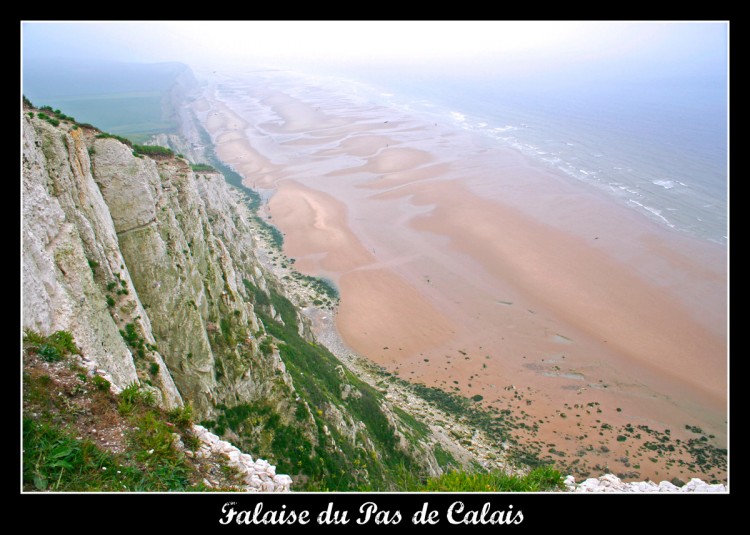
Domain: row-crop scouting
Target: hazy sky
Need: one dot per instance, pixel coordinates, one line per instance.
(449, 45)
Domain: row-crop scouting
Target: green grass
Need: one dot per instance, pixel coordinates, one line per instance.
(50, 348)
(121, 139)
(54, 461)
(100, 383)
(420, 429)
(492, 424)
(538, 480)
(182, 417)
(153, 151)
(133, 339)
(202, 168)
(319, 379)
(266, 347)
(321, 285)
(57, 456)
(444, 458)
(307, 445)
(258, 296)
(277, 238)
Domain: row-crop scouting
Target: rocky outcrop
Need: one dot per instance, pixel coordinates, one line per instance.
(70, 247)
(257, 476)
(166, 248)
(611, 483)
(121, 251)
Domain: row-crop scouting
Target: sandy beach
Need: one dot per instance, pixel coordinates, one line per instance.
(471, 268)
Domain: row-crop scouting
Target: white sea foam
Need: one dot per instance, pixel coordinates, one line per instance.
(666, 184)
(577, 142)
(629, 190)
(654, 211)
(505, 128)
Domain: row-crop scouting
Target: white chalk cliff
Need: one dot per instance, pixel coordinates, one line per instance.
(152, 266)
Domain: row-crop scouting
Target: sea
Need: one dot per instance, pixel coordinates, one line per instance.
(658, 144)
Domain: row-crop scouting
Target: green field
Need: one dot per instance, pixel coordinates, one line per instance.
(136, 116)
(127, 99)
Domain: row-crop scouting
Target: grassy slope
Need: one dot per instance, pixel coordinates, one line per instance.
(78, 436)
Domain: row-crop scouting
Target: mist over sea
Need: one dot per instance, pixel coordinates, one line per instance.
(654, 141)
(637, 110)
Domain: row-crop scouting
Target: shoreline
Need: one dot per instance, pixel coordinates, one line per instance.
(465, 277)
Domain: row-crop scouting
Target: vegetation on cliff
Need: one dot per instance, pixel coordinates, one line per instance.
(79, 436)
(178, 286)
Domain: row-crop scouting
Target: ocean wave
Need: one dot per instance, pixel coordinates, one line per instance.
(666, 184)
(460, 117)
(506, 128)
(654, 211)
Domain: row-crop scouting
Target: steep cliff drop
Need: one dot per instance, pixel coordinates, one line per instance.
(150, 264)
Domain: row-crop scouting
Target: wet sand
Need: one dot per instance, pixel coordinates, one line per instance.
(474, 269)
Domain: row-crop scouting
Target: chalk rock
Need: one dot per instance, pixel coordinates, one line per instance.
(697, 485)
(666, 486)
(611, 483)
(609, 480)
(283, 482)
(590, 485)
(257, 476)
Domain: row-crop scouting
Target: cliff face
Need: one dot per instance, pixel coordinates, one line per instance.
(163, 243)
(71, 252)
(184, 271)
(152, 268)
